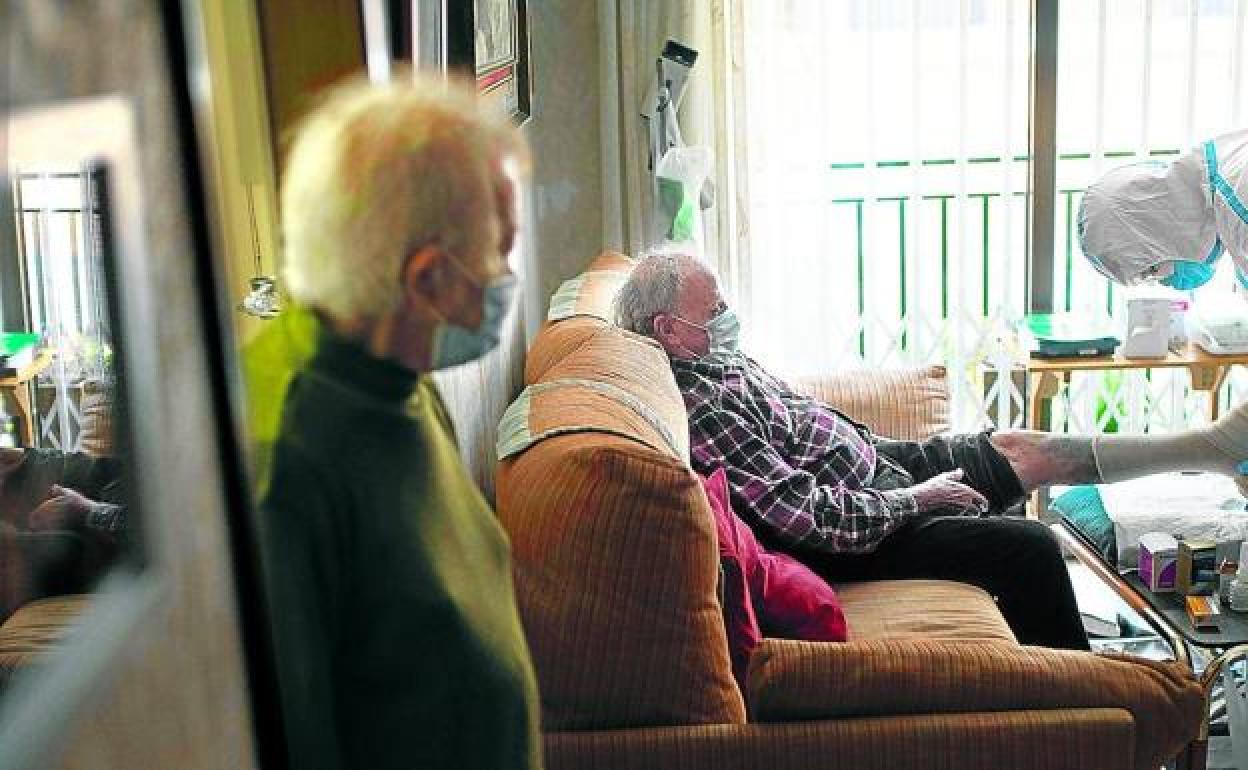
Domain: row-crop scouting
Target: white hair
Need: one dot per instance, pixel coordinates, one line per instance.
(652, 288)
(377, 171)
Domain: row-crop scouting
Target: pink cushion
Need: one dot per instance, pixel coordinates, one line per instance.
(738, 556)
(766, 593)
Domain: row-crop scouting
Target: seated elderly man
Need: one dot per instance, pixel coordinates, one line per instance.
(855, 506)
(62, 521)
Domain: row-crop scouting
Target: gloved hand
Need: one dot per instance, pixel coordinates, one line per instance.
(946, 491)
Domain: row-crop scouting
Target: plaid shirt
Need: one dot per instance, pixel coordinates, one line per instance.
(798, 468)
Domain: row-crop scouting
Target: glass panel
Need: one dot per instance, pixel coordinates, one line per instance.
(67, 518)
(1139, 80)
(887, 145)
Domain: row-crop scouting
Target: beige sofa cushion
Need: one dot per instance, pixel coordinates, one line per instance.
(922, 609)
(96, 436)
(909, 403)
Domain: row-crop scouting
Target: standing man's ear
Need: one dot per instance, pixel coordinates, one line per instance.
(420, 276)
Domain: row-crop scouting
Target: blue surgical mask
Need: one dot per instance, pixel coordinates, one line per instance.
(1193, 275)
(454, 345)
(723, 332)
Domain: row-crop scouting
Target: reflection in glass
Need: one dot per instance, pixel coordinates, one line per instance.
(65, 517)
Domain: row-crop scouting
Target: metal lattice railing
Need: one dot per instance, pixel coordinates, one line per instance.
(916, 251)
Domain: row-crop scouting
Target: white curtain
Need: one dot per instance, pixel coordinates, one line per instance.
(872, 163)
(633, 35)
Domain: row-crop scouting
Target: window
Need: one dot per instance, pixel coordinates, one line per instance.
(886, 179)
(59, 254)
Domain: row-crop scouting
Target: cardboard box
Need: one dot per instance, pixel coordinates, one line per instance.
(1198, 567)
(1159, 556)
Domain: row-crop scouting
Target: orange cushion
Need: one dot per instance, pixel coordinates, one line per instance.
(36, 631)
(613, 260)
(592, 293)
(615, 560)
(555, 342)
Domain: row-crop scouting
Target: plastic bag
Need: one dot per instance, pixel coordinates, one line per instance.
(681, 176)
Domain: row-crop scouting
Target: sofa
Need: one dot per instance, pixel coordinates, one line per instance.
(32, 629)
(617, 575)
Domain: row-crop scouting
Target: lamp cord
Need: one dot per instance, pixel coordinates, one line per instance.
(255, 233)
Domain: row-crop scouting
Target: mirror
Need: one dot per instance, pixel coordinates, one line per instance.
(70, 533)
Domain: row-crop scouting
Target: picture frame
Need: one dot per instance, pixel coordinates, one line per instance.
(488, 40)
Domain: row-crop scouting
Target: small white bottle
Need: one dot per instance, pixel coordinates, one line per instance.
(1239, 586)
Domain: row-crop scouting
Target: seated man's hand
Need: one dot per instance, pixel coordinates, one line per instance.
(946, 491)
(64, 509)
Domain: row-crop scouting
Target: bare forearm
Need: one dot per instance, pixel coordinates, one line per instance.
(1041, 459)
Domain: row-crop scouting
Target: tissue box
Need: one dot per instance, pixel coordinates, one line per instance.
(1198, 567)
(1159, 557)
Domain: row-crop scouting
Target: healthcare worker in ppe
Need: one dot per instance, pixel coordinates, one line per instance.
(1172, 223)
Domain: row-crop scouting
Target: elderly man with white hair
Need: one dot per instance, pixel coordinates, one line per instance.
(855, 506)
(397, 638)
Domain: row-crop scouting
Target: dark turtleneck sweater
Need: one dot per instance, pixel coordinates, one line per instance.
(397, 636)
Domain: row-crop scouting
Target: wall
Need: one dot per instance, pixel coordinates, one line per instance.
(567, 195)
(562, 212)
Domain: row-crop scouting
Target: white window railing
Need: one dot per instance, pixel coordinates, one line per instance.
(887, 181)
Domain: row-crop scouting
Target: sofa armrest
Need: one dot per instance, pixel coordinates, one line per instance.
(1049, 739)
(791, 680)
(905, 403)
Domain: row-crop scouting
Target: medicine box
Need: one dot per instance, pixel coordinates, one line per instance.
(1198, 568)
(1159, 557)
(1203, 612)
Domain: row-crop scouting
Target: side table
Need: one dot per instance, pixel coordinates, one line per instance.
(1045, 375)
(19, 386)
(1165, 613)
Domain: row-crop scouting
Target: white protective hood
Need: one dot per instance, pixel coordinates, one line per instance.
(1137, 219)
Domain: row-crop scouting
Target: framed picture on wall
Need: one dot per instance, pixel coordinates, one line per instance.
(489, 41)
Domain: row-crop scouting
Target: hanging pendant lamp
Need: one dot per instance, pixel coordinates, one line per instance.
(262, 301)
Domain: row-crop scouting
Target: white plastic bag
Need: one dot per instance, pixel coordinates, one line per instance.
(681, 176)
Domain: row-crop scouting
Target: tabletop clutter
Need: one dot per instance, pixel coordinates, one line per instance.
(1213, 576)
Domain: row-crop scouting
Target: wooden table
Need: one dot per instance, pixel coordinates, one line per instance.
(1045, 375)
(19, 385)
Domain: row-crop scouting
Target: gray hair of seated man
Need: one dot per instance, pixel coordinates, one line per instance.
(652, 288)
